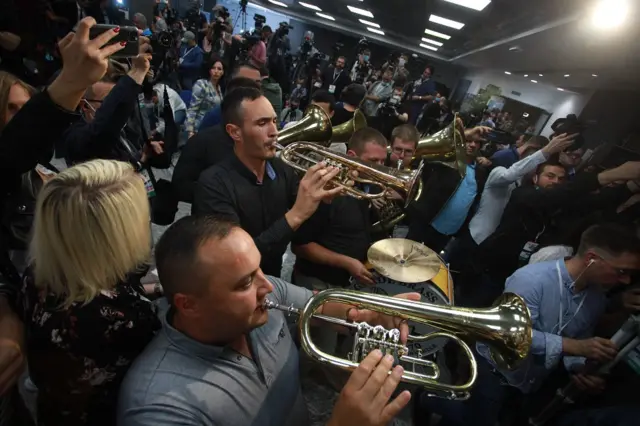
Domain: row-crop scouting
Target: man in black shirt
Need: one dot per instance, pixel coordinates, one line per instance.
(332, 246)
(335, 78)
(207, 148)
(256, 189)
(352, 95)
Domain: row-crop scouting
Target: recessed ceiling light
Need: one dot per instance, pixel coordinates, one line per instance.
(561, 89)
(533, 81)
(310, 6)
(426, 46)
(540, 75)
(278, 3)
(507, 73)
(359, 11)
(610, 13)
(594, 75)
(526, 75)
(428, 40)
(325, 16)
(375, 30)
(471, 4)
(512, 48)
(446, 22)
(437, 34)
(567, 75)
(369, 23)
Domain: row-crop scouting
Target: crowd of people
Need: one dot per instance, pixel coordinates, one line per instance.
(87, 339)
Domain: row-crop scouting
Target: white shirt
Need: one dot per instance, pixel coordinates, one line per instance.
(175, 101)
(495, 196)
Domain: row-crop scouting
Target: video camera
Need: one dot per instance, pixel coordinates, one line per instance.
(259, 21)
(570, 125)
(283, 29)
(223, 13)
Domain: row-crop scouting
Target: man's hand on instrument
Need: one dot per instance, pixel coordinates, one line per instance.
(387, 321)
(364, 400)
(359, 271)
(588, 383)
(311, 191)
(597, 349)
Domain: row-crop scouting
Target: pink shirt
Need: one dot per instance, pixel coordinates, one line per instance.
(258, 54)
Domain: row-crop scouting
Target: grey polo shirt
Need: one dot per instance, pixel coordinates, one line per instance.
(177, 380)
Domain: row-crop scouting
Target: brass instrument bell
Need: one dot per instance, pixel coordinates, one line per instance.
(344, 131)
(315, 126)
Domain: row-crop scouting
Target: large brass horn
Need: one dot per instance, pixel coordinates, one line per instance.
(506, 328)
(344, 131)
(303, 155)
(315, 126)
(447, 146)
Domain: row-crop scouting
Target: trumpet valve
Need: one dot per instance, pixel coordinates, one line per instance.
(369, 338)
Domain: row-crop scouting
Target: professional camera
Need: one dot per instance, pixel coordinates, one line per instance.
(337, 47)
(160, 41)
(283, 29)
(259, 21)
(570, 125)
(223, 13)
(363, 44)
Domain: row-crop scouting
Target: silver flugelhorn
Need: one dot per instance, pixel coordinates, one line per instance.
(506, 328)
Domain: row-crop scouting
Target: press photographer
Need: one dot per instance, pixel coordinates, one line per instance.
(362, 68)
(196, 22)
(277, 48)
(391, 113)
(220, 30)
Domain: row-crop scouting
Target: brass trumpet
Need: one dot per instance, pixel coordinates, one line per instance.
(506, 328)
(302, 155)
(315, 126)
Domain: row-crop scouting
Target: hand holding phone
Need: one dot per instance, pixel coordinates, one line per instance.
(126, 36)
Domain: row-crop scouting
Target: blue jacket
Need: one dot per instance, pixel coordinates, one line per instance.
(211, 118)
(191, 63)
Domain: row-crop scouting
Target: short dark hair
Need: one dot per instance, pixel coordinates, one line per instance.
(353, 94)
(241, 82)
(612, 238)
(324, 97)
(232, 104)
(432, 68)
(362, 137)
(237, 68)
(540, 141)
(406, 132)
(176, 253)
(554, 161)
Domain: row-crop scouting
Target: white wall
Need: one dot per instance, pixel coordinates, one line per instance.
(540, 95)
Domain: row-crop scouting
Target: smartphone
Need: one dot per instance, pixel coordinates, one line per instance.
(128, 34)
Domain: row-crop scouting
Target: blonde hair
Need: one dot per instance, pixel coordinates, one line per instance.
(92, 227)
(7, 81)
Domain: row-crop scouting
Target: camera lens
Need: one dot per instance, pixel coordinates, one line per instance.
(133, 36)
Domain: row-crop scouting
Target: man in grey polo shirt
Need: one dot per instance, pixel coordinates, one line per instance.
(222, 359)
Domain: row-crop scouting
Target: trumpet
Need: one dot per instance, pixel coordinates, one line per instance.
(506, 328)
(302, 155)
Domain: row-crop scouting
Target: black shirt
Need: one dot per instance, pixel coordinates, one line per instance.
(341, 115)
(205, 149)
(342, 227)
(231, 190)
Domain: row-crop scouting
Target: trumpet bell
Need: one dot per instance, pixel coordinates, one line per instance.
(344, 131)
(315, 126)
(447, 146)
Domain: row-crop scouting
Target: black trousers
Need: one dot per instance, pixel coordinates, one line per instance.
(425, 233)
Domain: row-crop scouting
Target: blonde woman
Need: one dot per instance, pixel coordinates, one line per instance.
(85, 312)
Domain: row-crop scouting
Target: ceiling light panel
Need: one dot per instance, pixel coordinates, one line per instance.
(471, 4)
(507, 73)
(533, 81)
(310, 6)
(375, 30)
(426, 46)
(359, 11)
(446, 22)
(437, 34)
(325, 16)
(369, 23)
(278, 3)
(428, 40)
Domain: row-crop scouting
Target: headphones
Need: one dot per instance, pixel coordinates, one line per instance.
(591, 262)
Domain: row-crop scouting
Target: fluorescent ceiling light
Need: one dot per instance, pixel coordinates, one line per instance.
(594, 75)
(359, 11)
(609, 14)
(540, 75)
(375, 30)
(512, 48)
(507, 73)
(437, 34)
(446, 22)
(369, 23)
(325, 16)
(426, 46)
(428, 40)
(561, 89)
(526, 75)
(533, 81)
(471, 4)
(567, 75)
(310, 6)
(277, 3)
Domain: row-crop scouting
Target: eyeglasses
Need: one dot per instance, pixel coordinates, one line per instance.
(620, 271)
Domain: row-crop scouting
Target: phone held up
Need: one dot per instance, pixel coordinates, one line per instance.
(127, 34)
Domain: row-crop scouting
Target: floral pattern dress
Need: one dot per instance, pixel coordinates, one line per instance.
(79, 356)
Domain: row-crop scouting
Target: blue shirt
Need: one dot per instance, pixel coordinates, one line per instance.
(454, 213)
(211, 118)
(549, 298)
(147, 32)
(505, 158)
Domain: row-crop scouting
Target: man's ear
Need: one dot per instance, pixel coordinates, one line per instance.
(351, 153)
(234, 131)
(186, 305)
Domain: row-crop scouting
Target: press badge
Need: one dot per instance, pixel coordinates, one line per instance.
(148, 184)
(332, 88)
(317, 84)
(528, 249)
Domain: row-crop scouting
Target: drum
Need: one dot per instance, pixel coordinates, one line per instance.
(437, 291)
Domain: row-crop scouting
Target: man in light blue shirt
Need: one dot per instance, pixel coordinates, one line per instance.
(566, 299)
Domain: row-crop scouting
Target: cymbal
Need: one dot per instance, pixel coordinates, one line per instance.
(403, 260)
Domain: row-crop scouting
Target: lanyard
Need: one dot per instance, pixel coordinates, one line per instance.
(561, 287)
(187, 52)
(335, 77)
